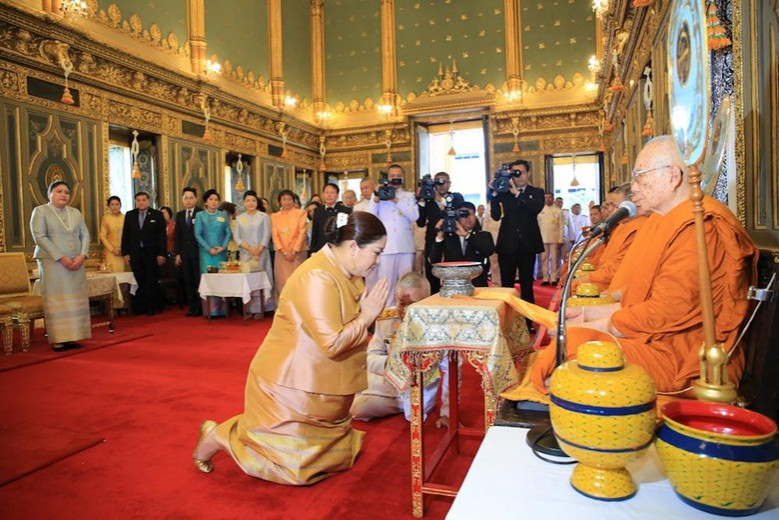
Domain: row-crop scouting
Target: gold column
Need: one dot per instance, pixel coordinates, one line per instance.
(388, 60)
(318, 54)
(513, 45)
(196, 22)
(276, 67)
(51, 6)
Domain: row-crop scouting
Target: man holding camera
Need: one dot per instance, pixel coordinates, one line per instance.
(397, 209)
(432, 208)
(517, 205)
(460, 239)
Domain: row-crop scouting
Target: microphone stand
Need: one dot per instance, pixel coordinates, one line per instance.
(538, 437)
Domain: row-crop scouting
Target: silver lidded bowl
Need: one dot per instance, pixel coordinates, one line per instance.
(456, 277)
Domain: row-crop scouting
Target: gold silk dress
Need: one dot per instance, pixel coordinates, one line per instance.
(111, 238)
(296, 427)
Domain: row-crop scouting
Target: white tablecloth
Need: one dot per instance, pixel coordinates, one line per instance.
(506, 481)
(235, 285)
(126, 277)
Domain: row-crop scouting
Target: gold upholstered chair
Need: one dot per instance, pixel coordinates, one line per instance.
(16, 294)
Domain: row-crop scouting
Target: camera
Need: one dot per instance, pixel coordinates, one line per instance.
(451, 215)
(427, 185)
(388, 187)
(502, 176)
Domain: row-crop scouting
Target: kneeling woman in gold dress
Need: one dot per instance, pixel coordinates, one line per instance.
(296, 427)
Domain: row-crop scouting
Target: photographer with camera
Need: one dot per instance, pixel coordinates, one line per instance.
(397, 209)
(460, 239)
(517, 204)
(432, 205)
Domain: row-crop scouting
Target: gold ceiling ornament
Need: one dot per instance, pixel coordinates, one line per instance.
(515, 133)
(649, 125)
(284, 133)
(135, 149)
(448, 81)
(616, 84)
(67, 67)
(574, 181)
(322, 153)
(601, 7)
(388, 144)
(239, 185)
(717, 38)
(207, 116)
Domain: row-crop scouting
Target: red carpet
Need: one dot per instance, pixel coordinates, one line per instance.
(146, 397)
(29, 448)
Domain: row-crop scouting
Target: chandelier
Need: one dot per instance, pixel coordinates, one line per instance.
(72, 9)
(600, 7)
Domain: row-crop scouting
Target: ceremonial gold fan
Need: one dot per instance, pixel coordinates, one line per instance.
(719, 133)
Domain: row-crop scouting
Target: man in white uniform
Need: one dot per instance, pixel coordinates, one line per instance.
(367, 187)
(397, 215)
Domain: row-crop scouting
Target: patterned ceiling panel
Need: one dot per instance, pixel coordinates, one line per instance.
(431, 33)
(558, 37)
(352, 53)
(238, 31)
(296, 47)
(169, 15)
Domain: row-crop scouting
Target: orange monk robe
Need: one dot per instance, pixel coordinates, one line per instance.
(593, 259)
(661, 316)
(614, 251)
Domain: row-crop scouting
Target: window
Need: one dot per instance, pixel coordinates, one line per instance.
(120, 181)
(576, 178)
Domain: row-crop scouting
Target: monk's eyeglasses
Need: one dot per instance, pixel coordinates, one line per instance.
(638, 173)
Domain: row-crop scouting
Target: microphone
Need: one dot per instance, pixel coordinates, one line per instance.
(625, 210)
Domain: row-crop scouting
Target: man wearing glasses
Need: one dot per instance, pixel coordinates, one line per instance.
(658, 318)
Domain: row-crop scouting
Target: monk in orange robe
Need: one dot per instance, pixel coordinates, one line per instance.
(658, 321)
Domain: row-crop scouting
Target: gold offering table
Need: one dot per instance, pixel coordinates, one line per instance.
(489, 334)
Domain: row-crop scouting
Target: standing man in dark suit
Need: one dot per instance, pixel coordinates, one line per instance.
(187, 252)
(468, 243)
(330, 207)
(144, 244)
(519, 238)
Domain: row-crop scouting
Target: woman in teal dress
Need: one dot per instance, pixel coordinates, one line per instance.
(212, 232)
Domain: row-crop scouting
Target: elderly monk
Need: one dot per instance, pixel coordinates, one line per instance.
(619, 240)
(658, 321)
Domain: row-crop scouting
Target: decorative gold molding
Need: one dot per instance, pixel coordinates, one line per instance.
(738, 91)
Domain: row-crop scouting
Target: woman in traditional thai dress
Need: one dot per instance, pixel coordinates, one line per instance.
(296, 427)
(61, 248)
(288, 229)
(111, 236)
(212, 232)
(252, 235)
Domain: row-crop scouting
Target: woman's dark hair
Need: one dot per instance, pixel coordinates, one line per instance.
(285, 192)
(167, 208)
(113, 197)
(54, 184)
(228, 207)
(361, 226)
(208, 193)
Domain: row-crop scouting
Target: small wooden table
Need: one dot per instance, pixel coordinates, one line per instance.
(234, 285)
(489, 334)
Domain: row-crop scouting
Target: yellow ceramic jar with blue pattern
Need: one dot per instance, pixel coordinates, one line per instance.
(603, 415)
(719, 458)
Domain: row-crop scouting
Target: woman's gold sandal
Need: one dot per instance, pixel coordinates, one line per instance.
(206, 427)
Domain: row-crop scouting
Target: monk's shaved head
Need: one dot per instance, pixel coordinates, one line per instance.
(659, 177)
(616, 196)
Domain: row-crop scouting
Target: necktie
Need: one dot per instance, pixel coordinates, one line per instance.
(189, 217)
(141, 217)
(463, 244)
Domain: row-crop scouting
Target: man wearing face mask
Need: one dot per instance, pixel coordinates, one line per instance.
(467, 243)
(397, 214)
(431, 211)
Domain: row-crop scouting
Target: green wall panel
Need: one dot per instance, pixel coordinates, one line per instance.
(238, 31)
(429, 33)
(169, 15)
(352, 51)
(558, 38)
(296, 47)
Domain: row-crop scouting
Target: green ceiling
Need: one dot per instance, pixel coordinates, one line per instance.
(296, 46)
(558, 37)
(352, 51)
(429, 33)
(238, 31)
